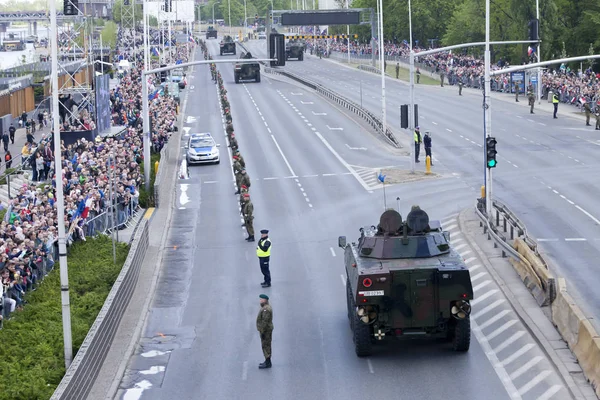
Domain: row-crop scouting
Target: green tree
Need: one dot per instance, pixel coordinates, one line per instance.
(118, 6)
(109, 34)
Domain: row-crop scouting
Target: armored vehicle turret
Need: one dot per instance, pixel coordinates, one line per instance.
(246, 71)
(404, 280)
(211, 32)
(227, 46)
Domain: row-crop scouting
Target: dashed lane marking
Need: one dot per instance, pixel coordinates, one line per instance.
(332, 251)
(343, 279)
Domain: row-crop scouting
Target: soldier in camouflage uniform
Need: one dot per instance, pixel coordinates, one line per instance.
(531, 98)
(240, 158)
(229, 129)
(233, 143)
(264, 325)
(242, 178)
(588, 113)
(248, 212)
(237, 167)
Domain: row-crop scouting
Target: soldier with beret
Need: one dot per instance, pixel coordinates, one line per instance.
(248, 212)
(264, 325)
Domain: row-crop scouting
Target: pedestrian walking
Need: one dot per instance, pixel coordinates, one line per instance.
(397, 70)
(555, 103)
(11, 133)
(417, 138)
(588, 113)
(427, 145)
(8, 159)
(264, 326)
(5, 139)
(263, 251)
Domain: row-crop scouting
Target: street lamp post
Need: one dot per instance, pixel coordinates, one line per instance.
(487, 112)
(348, 33)
(539, 55)
(213, 7)
(381, 66)
(411, 89)
(229, 6)
(245, 20)
(59, 196)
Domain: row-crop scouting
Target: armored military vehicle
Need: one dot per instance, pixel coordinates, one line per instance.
(294, 49)
(246, 71)
(227, 46)
(211, 32)
(405, 281)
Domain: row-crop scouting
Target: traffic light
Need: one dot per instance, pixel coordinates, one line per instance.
(71, 7)
(167, 5)
(404, 116)
(277, 49)
(534, 30)
(163, 74)
(490, 152)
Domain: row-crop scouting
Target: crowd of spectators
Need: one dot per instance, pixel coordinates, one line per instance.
(573, 87)
(98, 176)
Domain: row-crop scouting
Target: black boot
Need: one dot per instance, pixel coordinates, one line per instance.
(238, 192)
(265, 284)
(250, 238)
(266, 364)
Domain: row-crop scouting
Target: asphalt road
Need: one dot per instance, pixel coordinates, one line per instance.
(546, 166)
(312, 172)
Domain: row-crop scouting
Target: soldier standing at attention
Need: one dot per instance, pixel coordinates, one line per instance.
(597, 118)
(263, 251)
(418, 74)
(417, 137)
(427, 144)
(460, 86)
(264, 325)
(248, 212)
(588, 113)
(242, 179)
(531, 98)
(517, 91)
(397, 70)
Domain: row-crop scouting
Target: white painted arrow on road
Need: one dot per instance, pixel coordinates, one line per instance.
(355, 148)
(314, 113)
(190, 119)
(192, 87)
(186, 131)
(335, 129)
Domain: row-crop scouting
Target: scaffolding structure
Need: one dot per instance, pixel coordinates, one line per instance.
(128, 23)
(75, 66)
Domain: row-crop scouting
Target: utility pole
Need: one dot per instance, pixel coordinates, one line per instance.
(539, 55)
(348, 32)
(229, 6)
(381, 66)
(487, 116)
(60, 199)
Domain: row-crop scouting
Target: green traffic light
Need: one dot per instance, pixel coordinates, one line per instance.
(491, 163)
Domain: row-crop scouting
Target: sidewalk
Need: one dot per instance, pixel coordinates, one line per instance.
(20, 140)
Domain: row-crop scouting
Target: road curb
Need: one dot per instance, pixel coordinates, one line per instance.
(529, 324)
(169, 206)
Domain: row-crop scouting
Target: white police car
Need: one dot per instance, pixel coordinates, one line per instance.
(202, 148)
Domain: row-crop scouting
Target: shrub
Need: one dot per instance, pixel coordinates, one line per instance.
(31, 343)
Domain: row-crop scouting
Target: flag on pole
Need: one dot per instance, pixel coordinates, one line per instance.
(192, 40)
(530, 51)
(381, 177)
(155, 52)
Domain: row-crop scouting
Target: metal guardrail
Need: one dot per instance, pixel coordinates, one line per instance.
(504, 227)
(80, 376)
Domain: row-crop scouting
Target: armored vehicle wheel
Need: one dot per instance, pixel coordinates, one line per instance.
(462, 335)
(362, 336)
(257, 76)
(349, 302)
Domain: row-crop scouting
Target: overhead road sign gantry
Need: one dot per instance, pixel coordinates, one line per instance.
(322, 17)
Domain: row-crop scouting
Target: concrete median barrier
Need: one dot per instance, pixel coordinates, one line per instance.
(580, 335)
(534, 273)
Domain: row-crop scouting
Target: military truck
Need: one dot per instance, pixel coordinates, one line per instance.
(246, 71)
(227, 46)
(404, 280)
(211, 32)
(294, 49)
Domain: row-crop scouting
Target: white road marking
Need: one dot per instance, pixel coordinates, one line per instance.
(531, 384)
(245, 370)
(269, 129)
(550, 392)
(525, 367)
(518, 116)
(495, 317)
(190, 119)
(575, 239)
(283, 156)
(306, 102)
(479, 275)
(450, 227)
(481, 285)
(334, 129)
(310, 176)
(297, 94)
(370, 366)
(474, 267)
(270, 178)
(488, 308)
(470, 259)
(509, 341)
(343, 280)
(541, 123)
(589, 215)
(435, 123)
(546, 240)
(518, 353)
(322, 113)
(210, 181)
(460, 246)
(464, 253)
(501, 329)
(332, 251)
(498, 367)
(449, 130)
(183, 198)
(329, 174)
(530, 120)
(356, 148)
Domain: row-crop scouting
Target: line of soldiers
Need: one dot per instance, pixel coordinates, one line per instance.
(242, 179)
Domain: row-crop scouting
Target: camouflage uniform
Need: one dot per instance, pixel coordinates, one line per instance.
(233, 143)
(237, 167)
(240, 159)
(248, 212)
(588, 113)
(229, 129)
(531, 98)
(264, 325)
